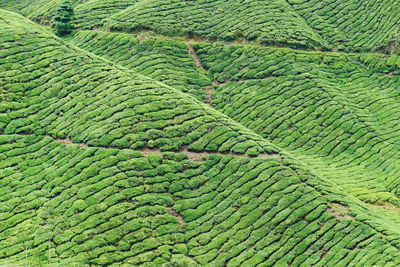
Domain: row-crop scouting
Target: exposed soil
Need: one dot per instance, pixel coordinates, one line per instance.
(340, 212)
(172, 212)
(194, 156)
(196, 59)
(387, 206)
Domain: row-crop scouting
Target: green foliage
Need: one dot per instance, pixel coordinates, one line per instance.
(227, 204)
(320, 109)
(346, 25)
(327, 196)
(180, 261)
(360, 26)
(227, 20)
(165, 60)
(107, 105)
(62, 20)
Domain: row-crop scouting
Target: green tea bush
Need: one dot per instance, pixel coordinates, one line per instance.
(312, 111)
(100, 202)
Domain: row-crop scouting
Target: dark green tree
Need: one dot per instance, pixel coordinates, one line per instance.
(63, 17)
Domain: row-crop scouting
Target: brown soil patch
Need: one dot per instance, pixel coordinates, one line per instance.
(194, 156)
(340, 212)
(324, 254)
(387, 206)
(67, 141)
(209, 90)
(143, 36)
(196, 59)
(147, 151)
(270, 156)
(173, 213)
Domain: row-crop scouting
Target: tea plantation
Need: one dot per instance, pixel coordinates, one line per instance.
(200, 133)
(347, 25)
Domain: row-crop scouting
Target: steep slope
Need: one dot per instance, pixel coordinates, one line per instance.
(40, 10)
(49, 88)
(365, 176)
(329, 109)
(268, 22)
(165, 60)
(328, 106)
(354, 25)
(100, 202)
(78, 206)
(349, 25)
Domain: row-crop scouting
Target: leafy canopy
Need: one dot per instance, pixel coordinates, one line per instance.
(63, 17)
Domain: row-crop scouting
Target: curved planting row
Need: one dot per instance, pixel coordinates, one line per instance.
(337, 110)
(52, 88)
(74, 206)
(267, 22)
(319, 105)
(349, 25)
(353, 25)
(165, 60)
(314, 104)
(97, 206)
(38, 10)
(92, 14)
(106, 203)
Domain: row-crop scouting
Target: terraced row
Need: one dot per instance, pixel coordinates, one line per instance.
(50, 87)
(349, 95)
(38, 10)
(165, 60)
(92, 14)
(97, 206)
(337, 82)
(74, 206)
(88, 13)
(267, 22)
(354, 25)
(349, 25)
(337, 108)
(78, 206)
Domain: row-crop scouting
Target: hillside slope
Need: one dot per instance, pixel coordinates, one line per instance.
(89, 177)
(354, 25)
(268, 22)
(329, 109)
(348, 25)
(319, 125)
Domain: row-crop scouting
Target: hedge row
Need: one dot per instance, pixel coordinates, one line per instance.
(303, 102)
(329, 109)
(347, 25)
(52, 88)
(98, 206)
(270, 22)
(165, 60)
(353, 25)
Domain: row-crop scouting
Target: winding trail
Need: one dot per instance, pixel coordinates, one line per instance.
(146, 151)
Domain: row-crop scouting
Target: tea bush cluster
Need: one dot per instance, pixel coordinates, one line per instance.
(63, 204)
(165, 60)
(65, 93)
(96, 129)
(330, 109)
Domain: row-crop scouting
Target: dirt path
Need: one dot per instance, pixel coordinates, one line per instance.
(196, 59)
(192, 155)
